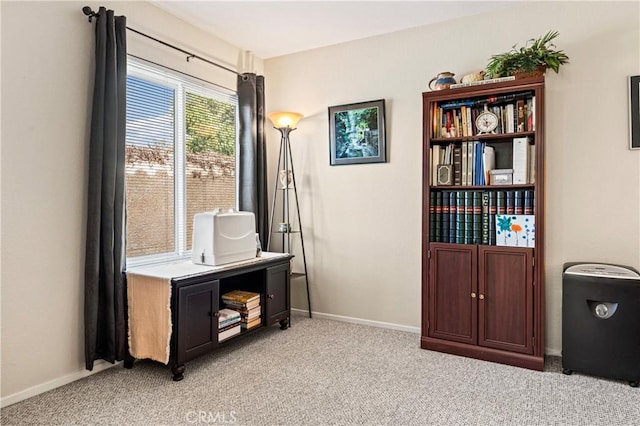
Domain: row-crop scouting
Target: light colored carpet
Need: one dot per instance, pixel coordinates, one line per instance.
(322, 372)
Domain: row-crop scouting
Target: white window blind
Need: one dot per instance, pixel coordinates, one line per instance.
(181, 145)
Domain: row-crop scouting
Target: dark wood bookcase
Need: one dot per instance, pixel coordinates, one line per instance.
(480, 299)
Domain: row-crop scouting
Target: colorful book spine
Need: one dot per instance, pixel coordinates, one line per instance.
(463, 113)
(477, 217)
(434, 119)
(492, 217)
(518, 202)
(457, 165)
(460, 217)
(465, 158)
(228, 326)
(474, 114)
(528, 202)
(444, 230)
(501, 202)
(510, 202)
(521, 116)
(468, 217)
(452, 216)
(470, 160)
(485, 218)
(251, 324)
(240, 296)
(438, 214)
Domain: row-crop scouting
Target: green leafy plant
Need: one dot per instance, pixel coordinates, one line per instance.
(537, 55)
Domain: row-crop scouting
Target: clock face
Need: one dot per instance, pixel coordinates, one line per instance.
(486, 122)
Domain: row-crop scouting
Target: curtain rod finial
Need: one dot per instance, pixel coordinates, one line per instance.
(88, 12)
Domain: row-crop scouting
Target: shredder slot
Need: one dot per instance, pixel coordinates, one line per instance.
(601, 270)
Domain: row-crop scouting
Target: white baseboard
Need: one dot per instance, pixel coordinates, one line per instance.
(98, 366)
(553, 352)
(548, 351)
(352, 320)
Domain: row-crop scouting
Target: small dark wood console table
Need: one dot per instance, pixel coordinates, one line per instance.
(195, 292)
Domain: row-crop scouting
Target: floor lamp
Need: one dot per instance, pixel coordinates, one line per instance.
(285, 122)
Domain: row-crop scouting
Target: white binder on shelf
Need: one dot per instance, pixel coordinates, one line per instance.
(520, 161)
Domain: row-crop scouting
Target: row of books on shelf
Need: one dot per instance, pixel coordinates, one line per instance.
(470, 217)
(515, 113)
(241, 312)
(471, 163)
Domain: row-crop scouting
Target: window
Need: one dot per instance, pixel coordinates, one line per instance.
(180, 158)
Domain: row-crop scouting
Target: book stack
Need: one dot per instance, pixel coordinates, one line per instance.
(228, 324)
(246, 304)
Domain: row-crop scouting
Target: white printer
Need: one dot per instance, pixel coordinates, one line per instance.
(223, 236)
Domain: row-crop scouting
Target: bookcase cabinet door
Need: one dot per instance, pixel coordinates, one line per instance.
(452, 293)
(506, 299)
(197, 324)
(277, 294)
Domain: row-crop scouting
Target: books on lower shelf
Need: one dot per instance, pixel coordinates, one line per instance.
(228, 323)
(246, 305)
(241, 299)
(227, 317)
(250, 318)
(249, 314)
(469, 217)
(251, 324)
(229, 332)
(241, 296)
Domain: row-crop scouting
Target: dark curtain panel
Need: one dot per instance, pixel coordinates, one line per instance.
(252, 158)
(104, 304)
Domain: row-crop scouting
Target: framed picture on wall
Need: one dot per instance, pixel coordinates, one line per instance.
(357, 133)
(634, 112)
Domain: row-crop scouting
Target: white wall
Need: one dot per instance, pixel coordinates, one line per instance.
(363, 222)
(46, 93)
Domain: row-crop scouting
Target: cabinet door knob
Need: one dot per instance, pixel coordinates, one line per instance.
(271, 296)
(481, 297)
(473, 295)
(216, 314)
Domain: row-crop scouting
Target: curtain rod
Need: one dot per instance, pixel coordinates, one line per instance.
(91, 14)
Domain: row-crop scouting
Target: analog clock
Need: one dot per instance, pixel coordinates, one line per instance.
(486, 122)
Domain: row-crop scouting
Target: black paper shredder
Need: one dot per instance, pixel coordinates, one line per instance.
(601, 321)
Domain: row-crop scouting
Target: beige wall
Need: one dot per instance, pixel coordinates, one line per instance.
(46, 92)
(362, 223)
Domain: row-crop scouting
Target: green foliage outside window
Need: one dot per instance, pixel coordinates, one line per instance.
(210, 125)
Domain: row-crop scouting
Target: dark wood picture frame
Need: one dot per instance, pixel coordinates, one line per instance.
(634, 112)
(357, 133)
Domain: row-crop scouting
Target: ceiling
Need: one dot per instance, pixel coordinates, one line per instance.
(276, 28)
